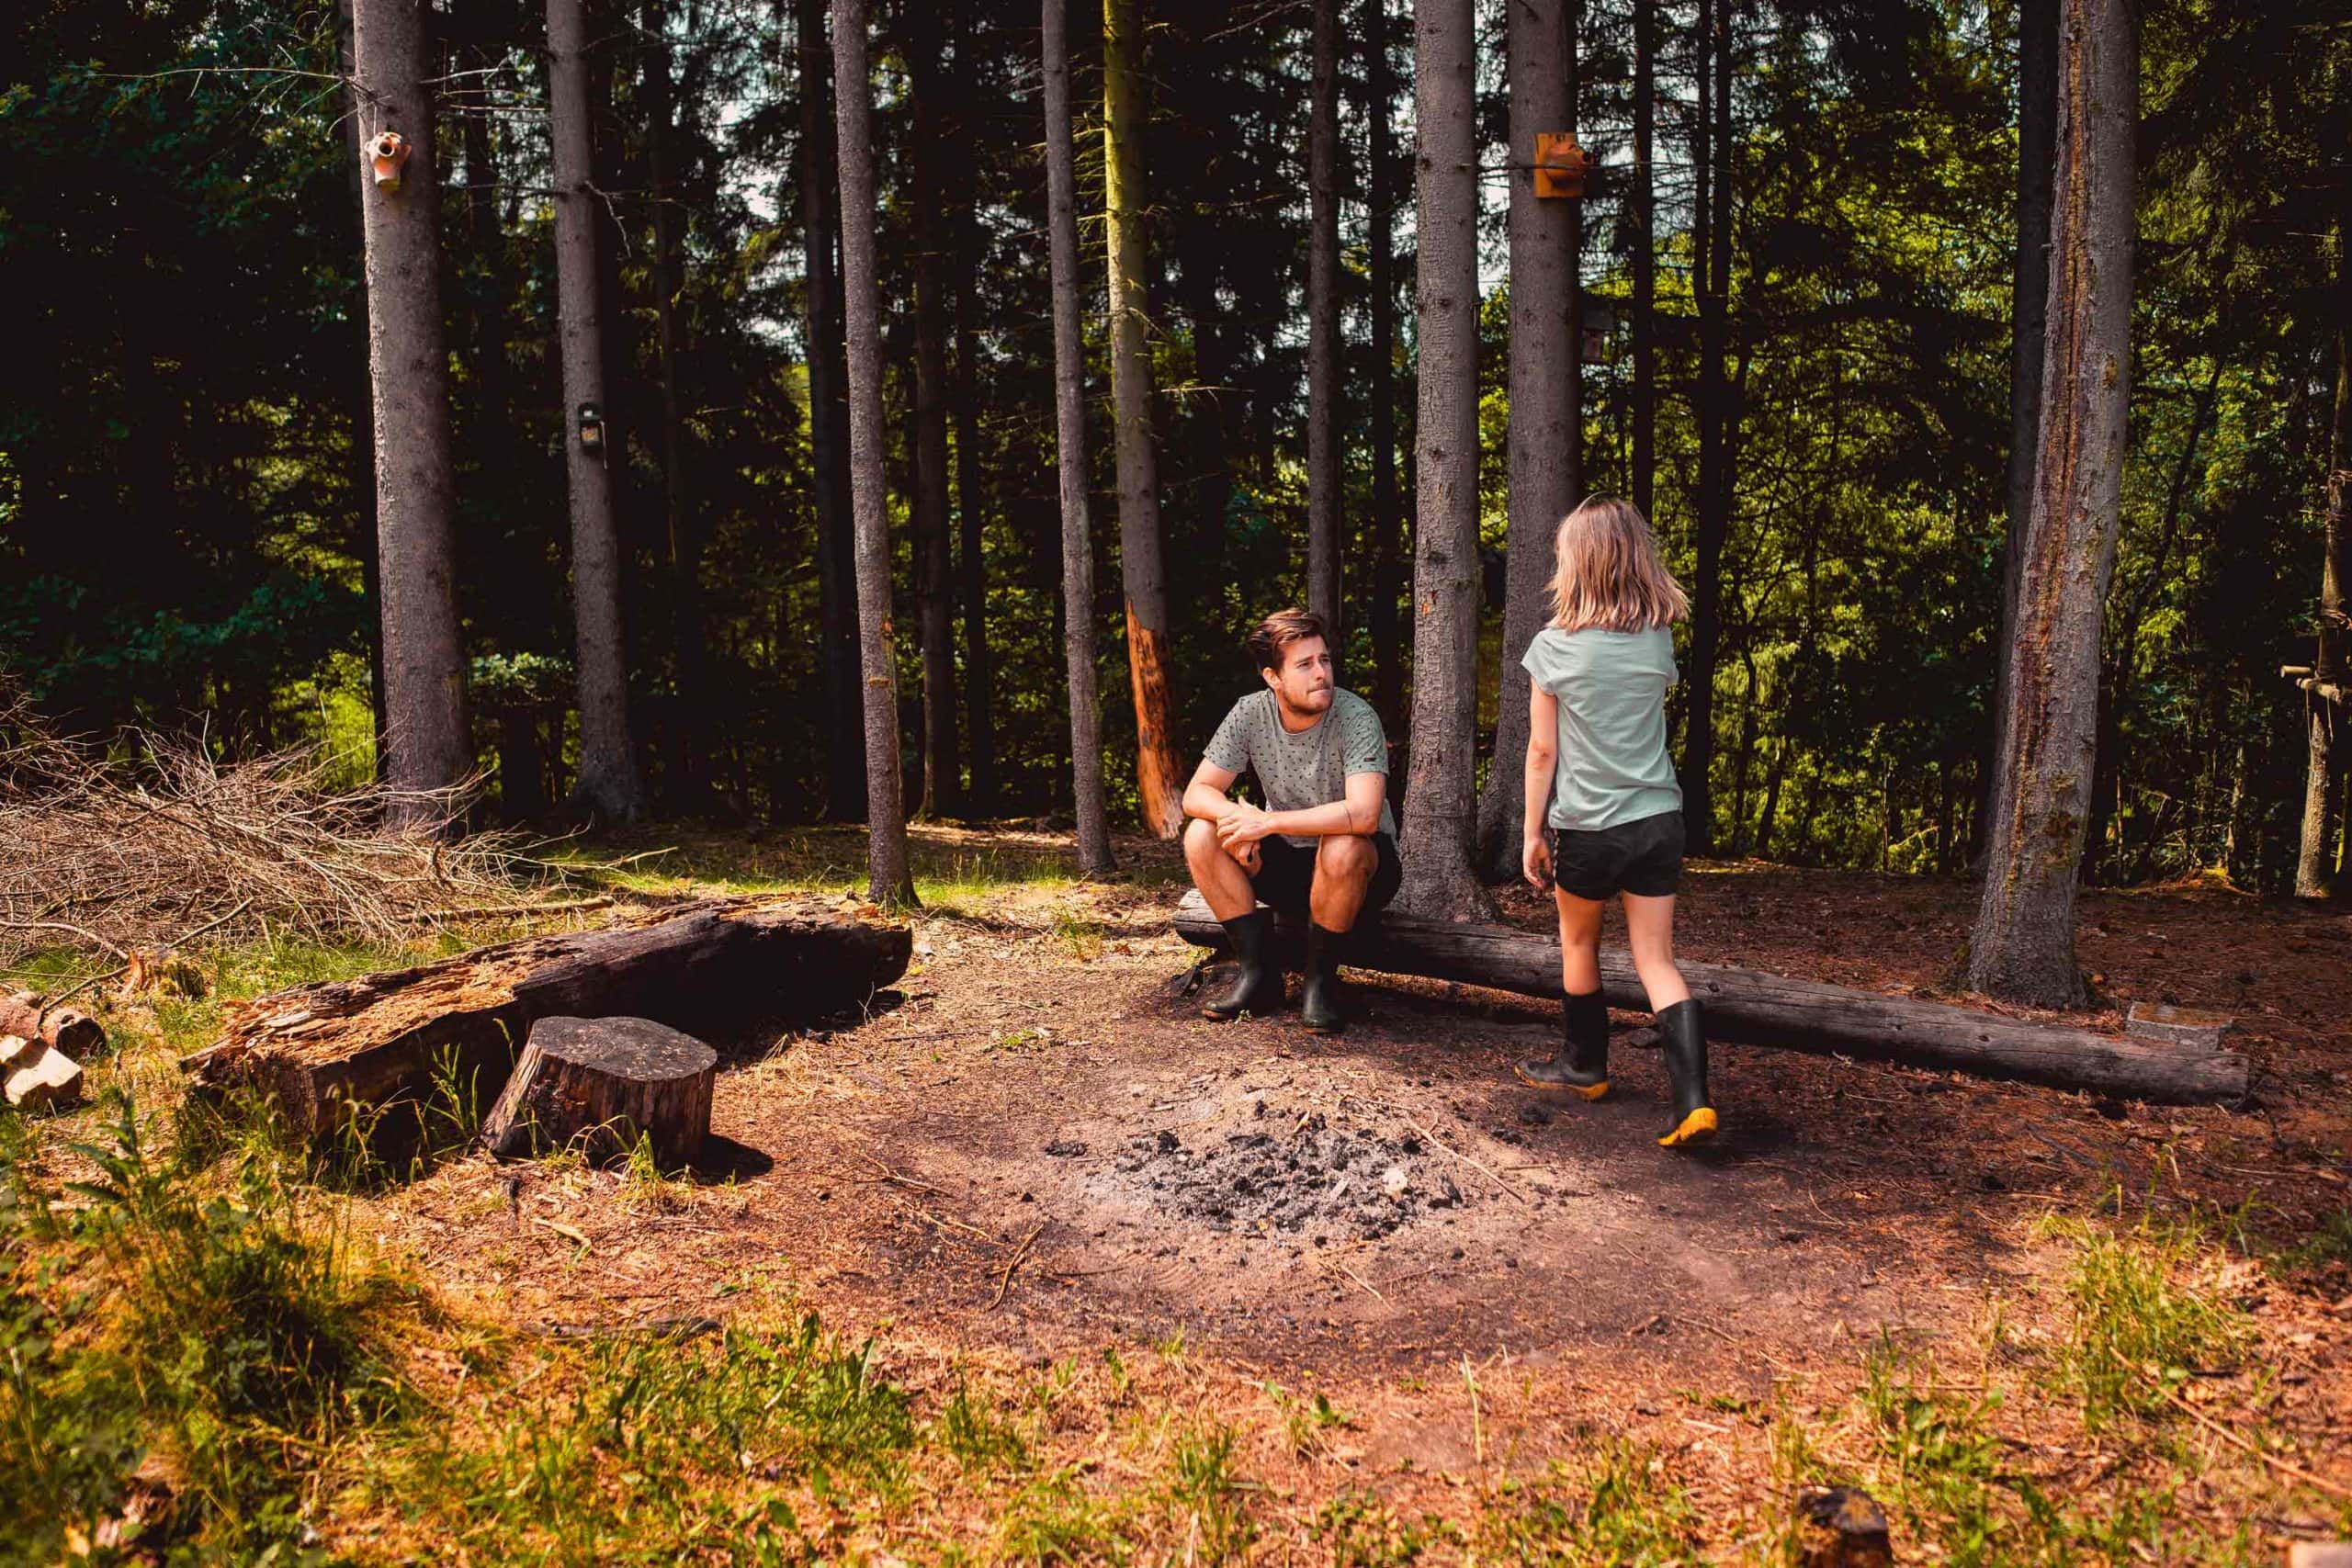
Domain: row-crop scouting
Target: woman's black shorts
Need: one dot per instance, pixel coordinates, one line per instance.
(1643, 857)
(1286, 874)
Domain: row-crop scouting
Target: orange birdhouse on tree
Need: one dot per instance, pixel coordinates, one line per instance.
(1563, 170)
(386, 156)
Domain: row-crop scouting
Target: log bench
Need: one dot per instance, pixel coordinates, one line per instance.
(1749, 1007)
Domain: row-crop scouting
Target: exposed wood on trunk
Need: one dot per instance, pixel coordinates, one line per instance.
(2029, 316)
(1094, 858)
(1323, 389)
(1388, 512)
(2023, 946)
(607, 784)
(1749, 1007)
(889, 877)
(818, 172)
(1440, 806)
(600, 1084)
(35, 1075)
(1143, 572)
(1545, 369)
(328, 1051)
(423, 660)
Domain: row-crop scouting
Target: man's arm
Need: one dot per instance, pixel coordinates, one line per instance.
(1205, 796)
(1357, 815)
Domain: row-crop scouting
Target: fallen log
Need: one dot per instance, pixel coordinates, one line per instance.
(61, 1029)
(1752, 1007)
(329, 1053)
(599, 1084)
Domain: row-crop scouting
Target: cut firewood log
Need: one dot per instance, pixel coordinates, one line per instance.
(330, 1052)
(35, 1075)
(599, 1085)
(67, 1028)
(1750, 1007)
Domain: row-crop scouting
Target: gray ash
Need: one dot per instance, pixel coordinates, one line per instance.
(1347, 1180)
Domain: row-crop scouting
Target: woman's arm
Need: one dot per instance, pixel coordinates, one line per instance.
(1542, 752)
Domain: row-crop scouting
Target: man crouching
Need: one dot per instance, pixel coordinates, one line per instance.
(1327, 847)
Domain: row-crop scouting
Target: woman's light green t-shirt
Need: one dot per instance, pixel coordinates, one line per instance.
(1613, 766)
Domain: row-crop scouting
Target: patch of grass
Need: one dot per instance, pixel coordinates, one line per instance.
(1939, 1464)
(1054, 1522)
(976, 1436)
(2139, 1334)
(1618, 1509)
(2328, 1242)
(1306, 1422)
(1080, 932)
(1362, 1531)
(1207, 1497)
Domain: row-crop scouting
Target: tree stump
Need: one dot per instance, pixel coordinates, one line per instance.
(1842, 1527)
(606, 1083)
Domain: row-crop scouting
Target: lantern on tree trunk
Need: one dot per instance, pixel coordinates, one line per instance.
(387, 154)
(1563, 170)
(591, 428)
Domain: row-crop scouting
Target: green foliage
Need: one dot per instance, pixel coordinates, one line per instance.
(1206, 1495)
(2139, 1334)
(1363, 1532)
(1614, 1508)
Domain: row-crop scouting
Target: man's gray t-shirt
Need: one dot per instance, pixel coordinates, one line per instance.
(1612, 767)
(1310, 768)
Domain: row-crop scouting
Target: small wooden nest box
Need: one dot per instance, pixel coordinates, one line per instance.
(1563, 170)
(387, 154)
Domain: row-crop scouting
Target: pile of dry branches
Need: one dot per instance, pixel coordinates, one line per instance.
(150, 842)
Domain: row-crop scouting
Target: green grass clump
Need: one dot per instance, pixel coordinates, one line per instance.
(1362, 1531)
(2139, 1334)
(1617, 1509)
(1206, 1498)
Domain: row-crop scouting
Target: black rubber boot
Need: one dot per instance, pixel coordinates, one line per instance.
(1581, 1064)
(1683, 1034)
(1318, 998)
(1259, 987)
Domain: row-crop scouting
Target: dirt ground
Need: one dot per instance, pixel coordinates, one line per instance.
(1036, 1146)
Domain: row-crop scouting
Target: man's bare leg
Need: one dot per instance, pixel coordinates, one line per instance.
(1224, 881)
(1343, 871)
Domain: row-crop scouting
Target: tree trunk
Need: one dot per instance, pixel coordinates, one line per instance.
(1712, 154)
(607, 784)
(2317, 868)
(597, 1086)
(927, 517)
(690, 774)
(1546, 355)
(361, 391)
(2029, 312)
(1441, 810)
(890, 879)
(1640, 214)
(2023, 947)
(971, 461)
(1387, 518)
(1160, 785)
(818, 181)
(1095, 857)
(1323, 421)
(423, 644)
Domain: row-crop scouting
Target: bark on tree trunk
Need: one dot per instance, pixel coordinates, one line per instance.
(423, 645)
(829, 420)
(597, 1086)
(360, 391)
(689, 782)
(971, 461)
(1712, 155)
(1640, 210)
(889, 878)
(1159, 786)
(1546, 359)
(2317, 867)
(927, 518)
(2023, 946)
(1441, 809)
(608, 785)
(1323, 389)
(2029, 311)
(1095, 857)
(1387, 517)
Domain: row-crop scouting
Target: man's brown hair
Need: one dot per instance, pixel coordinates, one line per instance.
(1270, 641)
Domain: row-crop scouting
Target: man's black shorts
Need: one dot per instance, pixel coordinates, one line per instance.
(1643, 857)
(1286, 874)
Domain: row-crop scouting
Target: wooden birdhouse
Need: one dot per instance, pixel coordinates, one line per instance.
(1563, 170)
(387, 154)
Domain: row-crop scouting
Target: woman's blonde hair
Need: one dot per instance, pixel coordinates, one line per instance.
(1606, 572)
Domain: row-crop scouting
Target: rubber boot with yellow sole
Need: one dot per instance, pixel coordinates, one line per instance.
(1682, 1033)
(1581, 1064)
